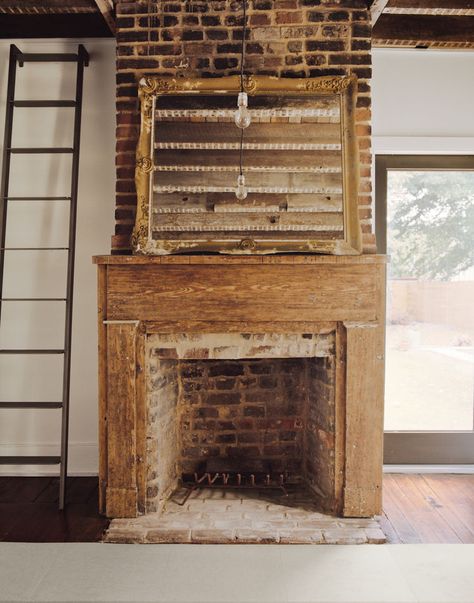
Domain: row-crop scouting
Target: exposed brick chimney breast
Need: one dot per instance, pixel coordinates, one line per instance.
(286, 38)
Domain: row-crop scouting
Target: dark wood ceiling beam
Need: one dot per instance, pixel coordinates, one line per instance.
(106, 8)
(80, 25)
(377, 9)
(22, 7)
(416, 4)
(425, 28)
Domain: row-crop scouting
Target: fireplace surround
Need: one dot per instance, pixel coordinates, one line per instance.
(272, 358)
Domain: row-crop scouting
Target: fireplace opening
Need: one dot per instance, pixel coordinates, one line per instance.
(240, 422)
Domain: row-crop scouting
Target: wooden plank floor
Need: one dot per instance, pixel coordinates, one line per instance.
(428, 508)
(29, 510)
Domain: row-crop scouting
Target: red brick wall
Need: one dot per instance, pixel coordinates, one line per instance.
(287, 38)
(243, 409)
(281, 410)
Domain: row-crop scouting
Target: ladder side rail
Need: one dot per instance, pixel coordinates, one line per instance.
(7, 140)
(83, 59)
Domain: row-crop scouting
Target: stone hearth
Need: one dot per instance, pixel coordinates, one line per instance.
(243, 517)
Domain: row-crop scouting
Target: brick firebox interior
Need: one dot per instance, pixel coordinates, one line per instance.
(278, 408)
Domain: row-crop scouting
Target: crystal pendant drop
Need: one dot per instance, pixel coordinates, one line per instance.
(242, 116)
(241, 191)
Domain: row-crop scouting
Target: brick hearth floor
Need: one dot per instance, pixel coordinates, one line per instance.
(215, 516)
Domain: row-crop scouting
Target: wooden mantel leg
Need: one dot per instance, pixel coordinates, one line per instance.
(124, 418)
(364, 420)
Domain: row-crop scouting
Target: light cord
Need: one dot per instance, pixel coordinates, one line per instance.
(242, 53)
(242, 61)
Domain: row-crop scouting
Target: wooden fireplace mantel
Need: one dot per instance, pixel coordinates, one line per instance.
(139, 295)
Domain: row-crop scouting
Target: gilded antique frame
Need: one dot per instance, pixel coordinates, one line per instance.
(345, 87)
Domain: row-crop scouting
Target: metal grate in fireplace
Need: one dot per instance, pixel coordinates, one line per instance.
(226, 473)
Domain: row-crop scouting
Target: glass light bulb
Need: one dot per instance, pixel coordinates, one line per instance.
(241, 191)
(242, 116)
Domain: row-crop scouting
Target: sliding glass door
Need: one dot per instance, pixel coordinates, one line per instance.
(425, 222)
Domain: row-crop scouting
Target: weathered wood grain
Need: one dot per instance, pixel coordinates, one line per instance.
(222, 260)
(223, 202)
(258, 235)
(175, 293)
(102, 382)
(141, 416)
(431, 4)
(121, 421)
(281, 294)
(340, 418)
(252, 180)
(256, 132)
(250, 326)
(121, 502)
(365, 362)
(262, 101)
(240, 221)
(364, 429)
(230, 158)
(425, 28)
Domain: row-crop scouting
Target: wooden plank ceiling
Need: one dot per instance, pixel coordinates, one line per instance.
(56, 18)
(423, 23)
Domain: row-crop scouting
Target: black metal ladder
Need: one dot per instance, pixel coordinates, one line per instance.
(18, 58)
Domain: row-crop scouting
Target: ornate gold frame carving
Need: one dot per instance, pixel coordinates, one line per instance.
(151, 87)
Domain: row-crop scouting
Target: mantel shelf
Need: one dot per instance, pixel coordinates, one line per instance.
(249, 259)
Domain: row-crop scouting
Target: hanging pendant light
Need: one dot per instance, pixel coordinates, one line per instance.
(241, 191)
(242, 116)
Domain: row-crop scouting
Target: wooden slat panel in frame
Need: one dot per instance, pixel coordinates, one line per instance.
(285, 131)
(315, 183)
(299, 161)
(226, 202)
(176, 105)
(236, 222)
(304, 160)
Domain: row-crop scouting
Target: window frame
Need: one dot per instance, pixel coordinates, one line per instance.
(419, 447)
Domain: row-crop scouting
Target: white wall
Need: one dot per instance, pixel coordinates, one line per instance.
(42, 273)
(423, 101)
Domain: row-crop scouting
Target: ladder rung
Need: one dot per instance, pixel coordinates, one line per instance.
(26, 150)
(45, 405)
(37, 198)
(47, 57)
(44, 103)
(34, 248)
(32, 352)
(33, 299)
(30, 460)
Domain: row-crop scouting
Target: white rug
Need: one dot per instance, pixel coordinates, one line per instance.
(236, 573)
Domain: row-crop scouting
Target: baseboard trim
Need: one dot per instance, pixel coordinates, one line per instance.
(83, 459)
(467, 469)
